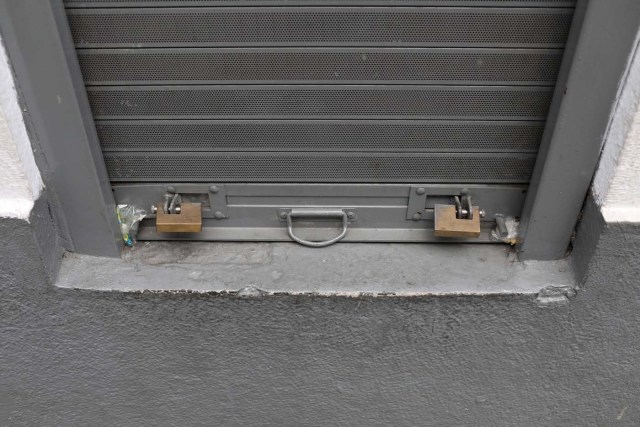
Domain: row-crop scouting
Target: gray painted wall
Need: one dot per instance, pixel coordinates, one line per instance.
(73, 357)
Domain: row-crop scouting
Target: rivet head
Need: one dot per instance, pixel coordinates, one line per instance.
(417, 216)
(171, 189)
(351, 215)
(214, 189)
(420, 191)
(218, 215)
(283, 215)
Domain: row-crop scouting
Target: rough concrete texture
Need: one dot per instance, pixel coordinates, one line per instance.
(342, 269)
(72, 357)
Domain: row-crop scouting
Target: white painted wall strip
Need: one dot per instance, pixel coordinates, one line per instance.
(20, 180)
(623, 199)
(615, 186)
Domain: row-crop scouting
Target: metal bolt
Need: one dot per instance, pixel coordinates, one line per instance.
(501, 226)
(218, 215)
(283, 215)
(420, 191)
(171, 189)
(351, 215)
(417, 216)
(214, 189)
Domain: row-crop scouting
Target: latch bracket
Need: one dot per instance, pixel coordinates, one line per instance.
(215, 193)
(417, 203)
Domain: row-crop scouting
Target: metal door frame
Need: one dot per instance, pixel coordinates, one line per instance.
(39, 44)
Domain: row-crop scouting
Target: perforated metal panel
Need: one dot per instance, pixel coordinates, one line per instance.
(320, 135)
(276, 102)
(311, 167)
(164, 3)
(277, 65)
(319, 26)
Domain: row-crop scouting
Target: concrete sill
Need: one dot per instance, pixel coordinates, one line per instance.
(343, 269)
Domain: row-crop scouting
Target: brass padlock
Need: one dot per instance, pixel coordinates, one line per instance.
(187, 220)
(447, 224)
(461, 220)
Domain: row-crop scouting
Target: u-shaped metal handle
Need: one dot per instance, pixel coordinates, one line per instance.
(317, 213)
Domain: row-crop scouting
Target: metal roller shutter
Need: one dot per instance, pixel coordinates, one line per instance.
(399, 104)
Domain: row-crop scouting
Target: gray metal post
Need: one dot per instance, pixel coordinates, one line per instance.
(586, 94)
(39, 44)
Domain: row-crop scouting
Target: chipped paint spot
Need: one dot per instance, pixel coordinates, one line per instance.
(621, 414)
(554, 295)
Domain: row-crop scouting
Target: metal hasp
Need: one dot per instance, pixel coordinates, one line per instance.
(343, 214)
(459, 220)
(175, 216)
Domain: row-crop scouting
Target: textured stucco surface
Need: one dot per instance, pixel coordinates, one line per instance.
(618, 174)
(623, 199)
(16, 200)
(19, 176)
(72, 357)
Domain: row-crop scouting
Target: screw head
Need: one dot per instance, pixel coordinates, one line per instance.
(214, 189)
(420, 191)
(171, 189)
(351, 215)
(283, 215)
(417, 216)
(218, 215)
